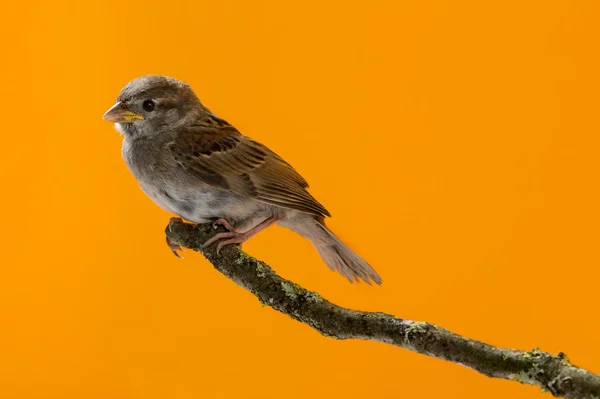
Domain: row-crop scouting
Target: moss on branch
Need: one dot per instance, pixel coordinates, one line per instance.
(552, 373)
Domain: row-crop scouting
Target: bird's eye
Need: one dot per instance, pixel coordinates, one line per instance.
(148, 105)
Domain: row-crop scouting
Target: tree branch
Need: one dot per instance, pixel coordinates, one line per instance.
(552, 373)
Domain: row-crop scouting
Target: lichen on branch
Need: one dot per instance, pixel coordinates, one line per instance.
(552, 373)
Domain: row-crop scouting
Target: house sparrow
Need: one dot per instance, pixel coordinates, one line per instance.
(196, 165)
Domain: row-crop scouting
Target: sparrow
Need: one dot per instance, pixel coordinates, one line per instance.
(196, 165)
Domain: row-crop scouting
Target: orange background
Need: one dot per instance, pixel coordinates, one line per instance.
(455, 142)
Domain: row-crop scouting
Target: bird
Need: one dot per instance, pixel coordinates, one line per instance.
(196, 165)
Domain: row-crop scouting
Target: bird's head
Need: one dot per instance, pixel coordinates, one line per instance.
(151, 104)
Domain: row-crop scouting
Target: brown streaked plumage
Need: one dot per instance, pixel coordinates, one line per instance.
(243, 166)
(198, 166)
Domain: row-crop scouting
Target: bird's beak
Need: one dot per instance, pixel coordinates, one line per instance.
(119, 113)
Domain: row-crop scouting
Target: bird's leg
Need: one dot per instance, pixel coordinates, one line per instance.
(224, 223)
(227, 234)
(174, 247)
(235, 237)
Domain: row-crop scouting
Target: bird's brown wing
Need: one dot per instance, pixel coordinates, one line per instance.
(231, 161)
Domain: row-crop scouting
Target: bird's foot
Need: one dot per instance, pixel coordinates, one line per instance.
(174, 247)
(224, 223)
(174, 220)
(232, 236)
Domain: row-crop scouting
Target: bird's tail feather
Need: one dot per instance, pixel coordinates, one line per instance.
(337, 255)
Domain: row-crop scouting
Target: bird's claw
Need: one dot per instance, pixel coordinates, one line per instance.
(224, 223)
(172, 221)
(233, 236)
(174, 247)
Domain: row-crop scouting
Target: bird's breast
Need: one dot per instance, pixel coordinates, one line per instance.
(173, 188)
